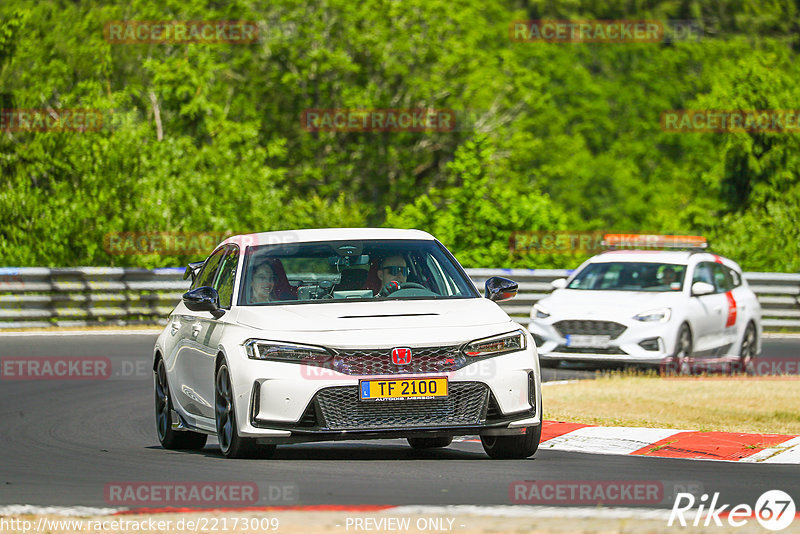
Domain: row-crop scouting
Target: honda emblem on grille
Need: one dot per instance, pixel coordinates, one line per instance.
(401, 356)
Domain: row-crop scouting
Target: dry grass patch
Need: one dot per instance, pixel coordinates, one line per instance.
(730, 404)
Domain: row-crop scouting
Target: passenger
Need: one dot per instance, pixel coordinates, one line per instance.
(262, 284)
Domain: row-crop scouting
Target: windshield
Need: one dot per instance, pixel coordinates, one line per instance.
(332, 271)
(630, 276)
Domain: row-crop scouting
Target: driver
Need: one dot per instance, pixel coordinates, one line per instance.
(393, 269)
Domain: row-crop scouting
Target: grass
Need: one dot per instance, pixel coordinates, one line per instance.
(731, 404)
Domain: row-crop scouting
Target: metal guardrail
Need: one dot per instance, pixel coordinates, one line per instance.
(43, 297)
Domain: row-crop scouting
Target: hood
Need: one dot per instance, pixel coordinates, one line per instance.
(591, 304)
(383, 315)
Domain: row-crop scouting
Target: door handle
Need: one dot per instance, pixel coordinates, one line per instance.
(196, 327)
(718, 309)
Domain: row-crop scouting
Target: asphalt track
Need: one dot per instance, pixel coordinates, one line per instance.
(63, 442)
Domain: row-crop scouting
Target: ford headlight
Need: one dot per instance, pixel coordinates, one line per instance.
(540, 312)
(260, 349)
(660, 315)
(496, 345)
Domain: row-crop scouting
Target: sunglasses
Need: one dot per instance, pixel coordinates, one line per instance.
(395, 270)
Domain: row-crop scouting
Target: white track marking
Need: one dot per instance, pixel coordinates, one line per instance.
(787, 452)
(30, 509)
(608, 440)
(535, 511)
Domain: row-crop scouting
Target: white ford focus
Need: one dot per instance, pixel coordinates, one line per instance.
(682, 310)
(339, 334)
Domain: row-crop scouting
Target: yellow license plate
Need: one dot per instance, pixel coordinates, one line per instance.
(402, 389)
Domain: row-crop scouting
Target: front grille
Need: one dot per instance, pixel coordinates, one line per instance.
(379, 361)
(589, 350)
(601, 328)
(342, 410)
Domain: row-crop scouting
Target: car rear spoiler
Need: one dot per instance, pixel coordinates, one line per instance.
(192, 269)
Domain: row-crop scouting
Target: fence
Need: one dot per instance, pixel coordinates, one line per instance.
(42, 297)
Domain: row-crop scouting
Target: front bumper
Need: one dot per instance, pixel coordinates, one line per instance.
(647, 343)
(298, 403)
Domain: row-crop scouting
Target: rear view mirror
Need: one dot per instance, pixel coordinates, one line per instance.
(203, 299)
(559, 283)
(499, 289)
(702, 288)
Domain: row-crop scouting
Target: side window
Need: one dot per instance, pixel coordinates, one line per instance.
(702, 273)
(227, 274)
(206, 276)
(721, 280)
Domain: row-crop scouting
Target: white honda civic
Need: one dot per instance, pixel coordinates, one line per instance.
(343, 334)
(682, 310)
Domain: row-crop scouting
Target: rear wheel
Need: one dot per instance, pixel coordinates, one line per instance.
(429, 443)
(169, 438)
(230, 443)
(513, 447)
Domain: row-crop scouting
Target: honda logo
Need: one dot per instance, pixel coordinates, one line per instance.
(401, 356)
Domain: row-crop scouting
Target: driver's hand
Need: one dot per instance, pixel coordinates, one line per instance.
(389, 288)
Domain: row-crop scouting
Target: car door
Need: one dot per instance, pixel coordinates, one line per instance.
(724, 283)
(210, 331)
(192, 352)
(707, 313)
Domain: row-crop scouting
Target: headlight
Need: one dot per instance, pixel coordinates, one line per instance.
(540, 312)
(661, 315)
(260, 349)
(495, 345)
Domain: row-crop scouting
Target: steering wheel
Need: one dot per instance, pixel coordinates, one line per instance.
(391, 287)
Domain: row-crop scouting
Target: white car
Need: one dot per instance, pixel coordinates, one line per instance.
(343, 334)
(681, 310)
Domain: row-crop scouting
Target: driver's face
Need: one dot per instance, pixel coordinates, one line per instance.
(393, 269)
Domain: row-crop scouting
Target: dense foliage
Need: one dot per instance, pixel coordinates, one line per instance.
(558, 136)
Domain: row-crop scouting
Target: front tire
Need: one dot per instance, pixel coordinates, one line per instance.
(169, 438)
(230, 443)
(679, 362)
(747, 352)
(513, 447)
(429, 443)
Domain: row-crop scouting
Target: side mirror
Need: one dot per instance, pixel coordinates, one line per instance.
(203, 299)
(559, 283)
(702, 288)
(192, 270)
(499, 289)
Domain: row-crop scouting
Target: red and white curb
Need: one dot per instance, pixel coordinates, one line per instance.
(671, 443)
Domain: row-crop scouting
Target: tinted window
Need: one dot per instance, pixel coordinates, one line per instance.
(227, 274)
(702, 273)
(630, 276)
(206, 277)
(328, 271)
(722, 282)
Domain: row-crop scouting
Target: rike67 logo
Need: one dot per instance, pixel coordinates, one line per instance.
(774, 510)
